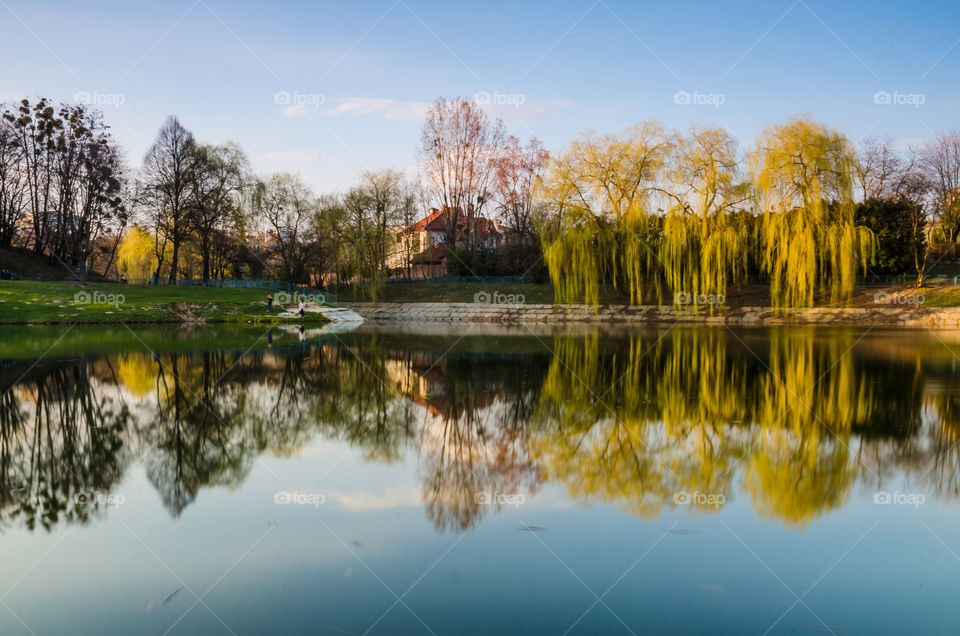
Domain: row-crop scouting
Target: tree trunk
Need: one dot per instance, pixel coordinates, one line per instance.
(174, 263)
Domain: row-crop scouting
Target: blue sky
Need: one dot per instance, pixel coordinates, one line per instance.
(359, 74)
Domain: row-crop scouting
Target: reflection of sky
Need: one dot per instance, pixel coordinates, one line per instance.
(299, 569)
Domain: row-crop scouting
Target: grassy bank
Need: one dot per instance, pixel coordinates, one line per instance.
(41, 302)
(44, 302)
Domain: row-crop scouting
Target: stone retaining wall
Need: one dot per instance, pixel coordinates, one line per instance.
(903, 316)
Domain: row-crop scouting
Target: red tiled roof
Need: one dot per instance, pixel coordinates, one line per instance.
(434, 254)
(426, 222)
(438, 221)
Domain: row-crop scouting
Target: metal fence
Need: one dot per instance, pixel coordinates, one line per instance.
(483, 280)
(906, 279)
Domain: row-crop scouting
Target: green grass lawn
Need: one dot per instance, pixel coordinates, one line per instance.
(36, 302)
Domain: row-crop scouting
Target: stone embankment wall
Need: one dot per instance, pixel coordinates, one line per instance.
(903, 316)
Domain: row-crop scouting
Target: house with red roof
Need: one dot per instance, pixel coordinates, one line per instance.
(423, 249)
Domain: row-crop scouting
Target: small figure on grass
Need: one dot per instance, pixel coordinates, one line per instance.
(302, 307)
(269, 302)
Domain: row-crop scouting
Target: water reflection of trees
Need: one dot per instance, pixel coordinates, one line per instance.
(687, 411)
(59, 439)
(793, 419)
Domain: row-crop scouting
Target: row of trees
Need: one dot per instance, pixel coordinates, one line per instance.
(61, 180)
(648, 210)
(652, 208)
(204, 199)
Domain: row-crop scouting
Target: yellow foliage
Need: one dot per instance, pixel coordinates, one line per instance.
(650, 205)
(804, 174)
(135, 254)
(599, 190)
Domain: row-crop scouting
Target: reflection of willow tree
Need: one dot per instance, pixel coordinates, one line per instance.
(70, 444)
(642, 424)
(807, 406)
(639, 426)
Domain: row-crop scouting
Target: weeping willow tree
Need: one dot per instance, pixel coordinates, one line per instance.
(601, 228)
(804, 172)
(704, 243)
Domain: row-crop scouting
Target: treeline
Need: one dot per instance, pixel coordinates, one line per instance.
(651, 211)
(61, 180)
(658, 212)
(197, 210)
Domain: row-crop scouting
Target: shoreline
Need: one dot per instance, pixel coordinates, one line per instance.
(881, 315)
(388, 313)
(168, 321)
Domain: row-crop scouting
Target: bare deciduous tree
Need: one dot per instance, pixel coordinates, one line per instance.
(288, 206)
(35, 127)
(167, 172)
(884, 173)
(217, 181)
(13, 186)
(458, 148)
(941, 162)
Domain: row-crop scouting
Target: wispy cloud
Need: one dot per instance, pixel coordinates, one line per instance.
(413, 112)
(366, 501)
(389, 109)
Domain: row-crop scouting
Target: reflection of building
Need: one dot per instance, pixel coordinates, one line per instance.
(422, 249)
(422, 379)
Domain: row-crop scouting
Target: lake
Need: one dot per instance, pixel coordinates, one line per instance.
(476, 480)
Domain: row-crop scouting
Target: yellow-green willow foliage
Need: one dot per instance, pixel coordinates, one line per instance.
(602, 228)
(803, 172)
(807, 405)
(704, 243)
(628, 424)
(640, 423)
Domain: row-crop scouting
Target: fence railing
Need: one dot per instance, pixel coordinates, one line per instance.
(483, 280)
(906, 279)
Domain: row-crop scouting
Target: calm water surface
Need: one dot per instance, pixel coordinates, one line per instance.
(473, 481)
